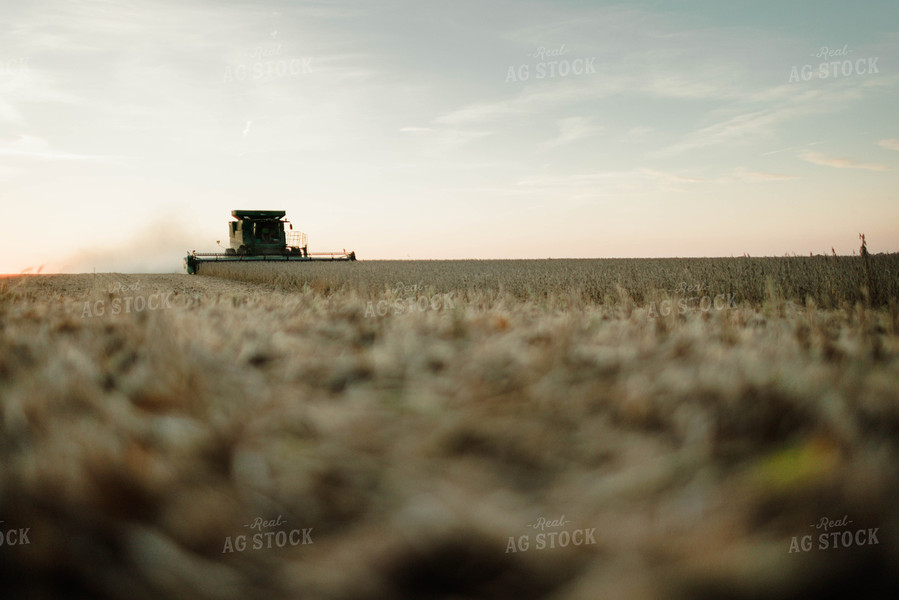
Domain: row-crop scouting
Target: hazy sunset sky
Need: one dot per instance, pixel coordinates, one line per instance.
(130, 129)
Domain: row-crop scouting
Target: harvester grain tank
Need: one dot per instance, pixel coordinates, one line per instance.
(260, 235)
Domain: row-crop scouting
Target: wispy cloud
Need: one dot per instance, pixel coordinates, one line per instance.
(739, 128)
(27, 146)
(632, 179)
(787, 149)
(749, 176)
(890, 144)
(763, 114)
(572, 129)
(839, 162)
(645, 178)
(440, 140)
(640, 133)
(524, 103)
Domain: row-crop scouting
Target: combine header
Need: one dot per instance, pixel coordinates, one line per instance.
(260, 235)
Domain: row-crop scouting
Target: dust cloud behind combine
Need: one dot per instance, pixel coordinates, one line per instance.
(159, 247)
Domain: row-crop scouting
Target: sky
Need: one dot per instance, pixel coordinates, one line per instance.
(411, 129)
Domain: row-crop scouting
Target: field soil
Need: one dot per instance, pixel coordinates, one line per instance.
(453, 430)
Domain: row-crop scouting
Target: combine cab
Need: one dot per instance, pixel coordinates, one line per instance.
(260, 235)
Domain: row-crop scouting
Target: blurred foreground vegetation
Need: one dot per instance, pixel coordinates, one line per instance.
(418, 441)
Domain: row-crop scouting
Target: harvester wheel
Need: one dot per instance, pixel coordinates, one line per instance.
(230, 251)
(242, 250)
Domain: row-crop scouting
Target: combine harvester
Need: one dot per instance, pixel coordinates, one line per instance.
(260, 235)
